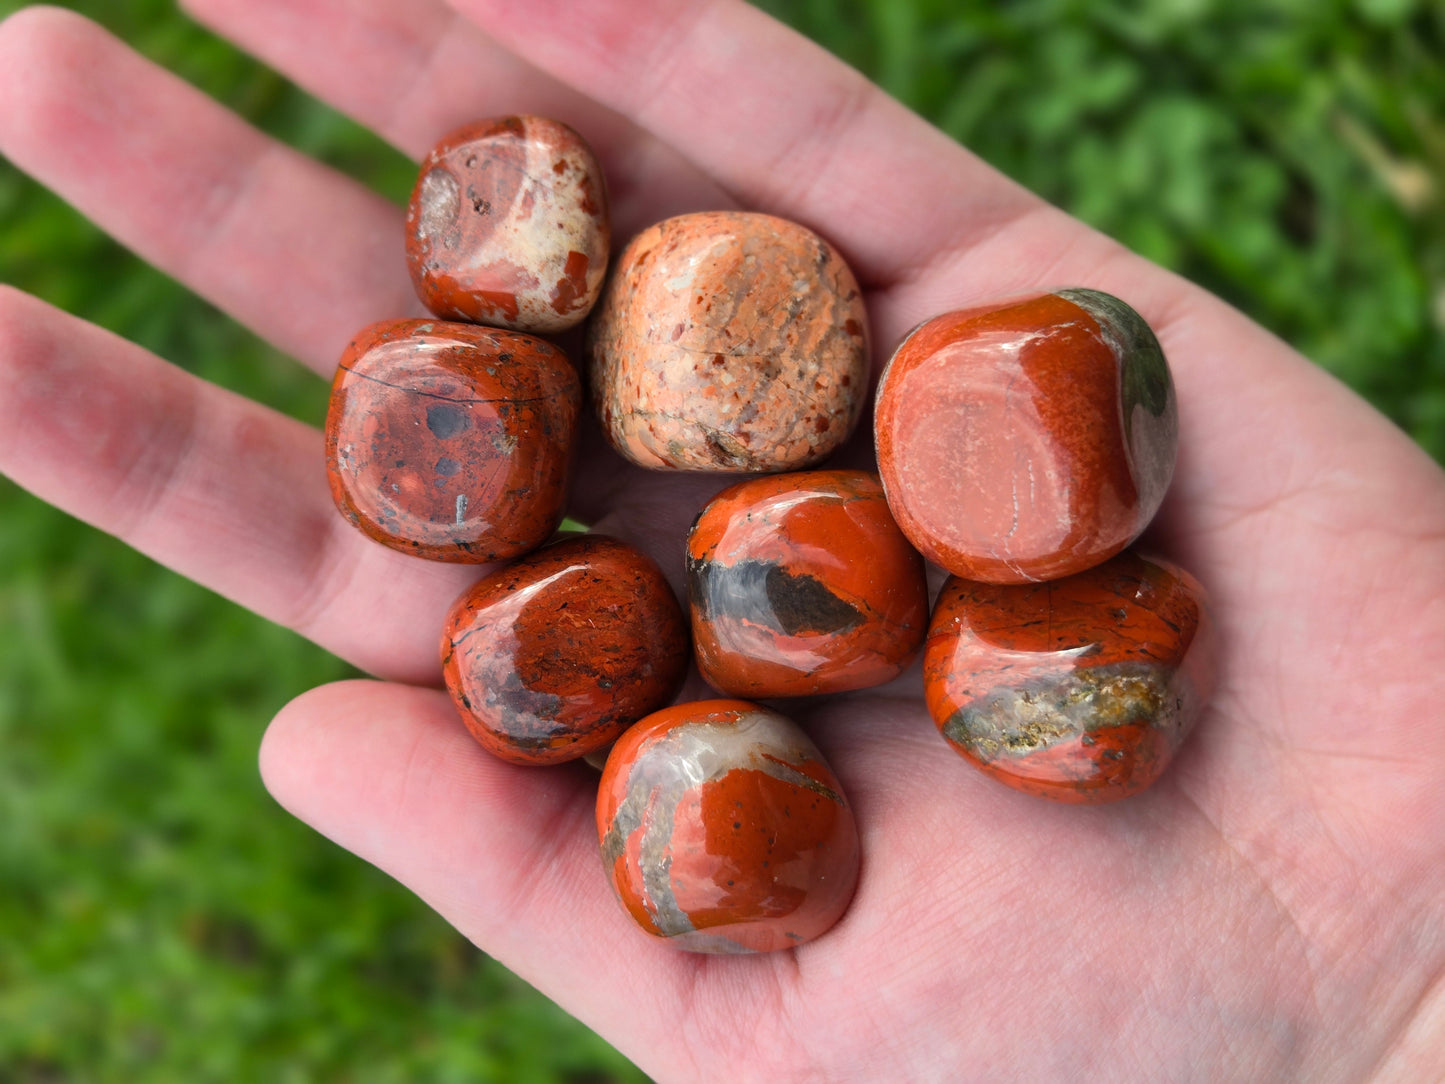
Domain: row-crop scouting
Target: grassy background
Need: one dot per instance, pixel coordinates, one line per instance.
(161, 919)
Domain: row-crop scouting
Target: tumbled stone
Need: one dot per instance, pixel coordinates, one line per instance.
(802, 584)
(724, 831)
(1080, 689)
(1027, 441)
(729, 341)
(552, 657)
(508, 226)
(450, 441)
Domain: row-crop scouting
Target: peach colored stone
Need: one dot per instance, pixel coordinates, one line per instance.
(729, 341)
(508, 226)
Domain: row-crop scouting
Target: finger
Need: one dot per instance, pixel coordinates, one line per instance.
(796, 132)
(783, 125)
(210, 484)
(413, 70)
(788, 128)
(508, 854)
(295, 251)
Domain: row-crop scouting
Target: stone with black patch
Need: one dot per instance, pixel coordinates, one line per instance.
(802, 584)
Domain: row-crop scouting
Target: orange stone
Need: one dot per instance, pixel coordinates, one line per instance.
(555, 655)
(1027, 441)
(450, 441)
(723, 830)
(803, 584)
(508, 226)
(1080, 689)
(729, 341)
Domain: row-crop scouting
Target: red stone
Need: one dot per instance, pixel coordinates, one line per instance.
(724, 831)
(450, 441)
(508, 226)
(1027, 441)
(729, 341)
(557, 654)
(1080, 689)
(803, 584)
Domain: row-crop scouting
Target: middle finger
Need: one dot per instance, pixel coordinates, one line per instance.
(413, 70)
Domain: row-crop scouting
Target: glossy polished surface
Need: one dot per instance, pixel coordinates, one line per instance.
(803, 584)
(724, 831)
(555, 655)
(729, 341)
(1029, 441)
(1079, 690)
(508, 226)
(450, 441)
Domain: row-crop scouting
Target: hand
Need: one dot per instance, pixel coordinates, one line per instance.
(1274, 907)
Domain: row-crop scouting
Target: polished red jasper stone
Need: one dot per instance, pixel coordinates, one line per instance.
(729, 341)
(723, 830)
(450, 441)
(1027, 441)
(1080, 689)
(508, 225)
(803, 584)
(555, 655)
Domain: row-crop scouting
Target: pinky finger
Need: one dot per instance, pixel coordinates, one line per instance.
(209, 483)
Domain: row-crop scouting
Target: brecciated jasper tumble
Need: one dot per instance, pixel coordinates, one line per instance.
(508, 226)
(729, 341)
(450, 441)
(555, 655)
(724, 831)
(1080, 689)
(1027, 441)
(803, 584)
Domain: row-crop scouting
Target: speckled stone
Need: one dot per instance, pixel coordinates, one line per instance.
(555, 655)
(508, 226)
(729, 341)
(1080, 689)
(723, 830)
(450, 441)
(802, 584)
(1027, 441)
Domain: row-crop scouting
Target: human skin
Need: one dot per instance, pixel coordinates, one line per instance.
(1273, 908)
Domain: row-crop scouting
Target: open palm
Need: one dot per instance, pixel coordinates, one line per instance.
(1274, 907)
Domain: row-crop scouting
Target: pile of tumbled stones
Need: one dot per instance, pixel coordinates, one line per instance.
(1021, 446)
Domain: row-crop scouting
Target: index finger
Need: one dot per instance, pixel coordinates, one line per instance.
(783, 125)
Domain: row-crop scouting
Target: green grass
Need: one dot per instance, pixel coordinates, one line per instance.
(162, 919)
